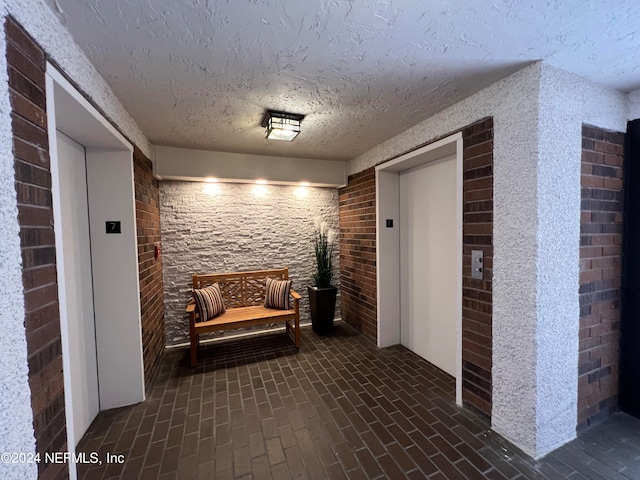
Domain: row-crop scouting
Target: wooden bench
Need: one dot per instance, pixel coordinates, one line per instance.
(243, 294)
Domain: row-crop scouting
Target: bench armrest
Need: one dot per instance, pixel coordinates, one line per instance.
(192, 312)
(295, 294)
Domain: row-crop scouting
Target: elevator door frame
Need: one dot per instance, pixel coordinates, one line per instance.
(115, 275)
(388, 241)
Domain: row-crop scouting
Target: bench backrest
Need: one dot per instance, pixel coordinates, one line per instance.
(241, 289)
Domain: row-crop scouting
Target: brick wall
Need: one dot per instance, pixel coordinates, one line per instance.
(229, 227)
(358, 260)
(600, 274)
(477, 234)
(26, 67)
(26, 70)
(358, 252)
(150, 268)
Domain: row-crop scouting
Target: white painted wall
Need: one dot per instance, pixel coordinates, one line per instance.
(391, 278)
(633, 100)
(538, 113)
(429, 308)
(189, 164)
(16, 419)
(115, 278)
(225, 227)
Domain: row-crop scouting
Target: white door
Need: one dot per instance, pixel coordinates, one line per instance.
(74, 214)
(428, 262)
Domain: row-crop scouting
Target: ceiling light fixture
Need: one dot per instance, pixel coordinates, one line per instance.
(281, 125)
(261, 182)
(211, 180)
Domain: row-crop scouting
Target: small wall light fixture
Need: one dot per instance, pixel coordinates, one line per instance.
(281, 125)
(211, 188)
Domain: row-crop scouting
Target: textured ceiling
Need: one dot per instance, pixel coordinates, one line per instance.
(201, 73)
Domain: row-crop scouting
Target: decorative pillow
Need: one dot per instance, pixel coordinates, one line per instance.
(209, 302)
(277, 294)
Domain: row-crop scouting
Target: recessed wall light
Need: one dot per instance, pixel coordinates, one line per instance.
(211, 188)
(211, 180)
(260, 191)
(304, 184)
(261, 182)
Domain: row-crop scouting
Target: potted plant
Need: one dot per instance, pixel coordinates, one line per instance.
(322, 295)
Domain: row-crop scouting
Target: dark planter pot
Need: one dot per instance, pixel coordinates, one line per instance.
(322, 303)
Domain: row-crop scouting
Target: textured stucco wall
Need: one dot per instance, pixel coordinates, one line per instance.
(566, 102)
(45, 27)
(633, 100)
(16, 417)
(513, 104)
(210, 228)
(537, 113)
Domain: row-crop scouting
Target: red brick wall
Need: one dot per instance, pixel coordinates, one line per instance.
(26, 66)
(358, 252)
(358, 260)
(600, 273)
(151, 296)
(26, 70)
(477, 234)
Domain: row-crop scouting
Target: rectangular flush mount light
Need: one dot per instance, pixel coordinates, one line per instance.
(281, 125)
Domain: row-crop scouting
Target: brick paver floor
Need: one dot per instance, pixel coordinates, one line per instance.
(338, 408)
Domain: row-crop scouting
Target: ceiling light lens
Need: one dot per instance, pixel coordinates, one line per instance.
(284, 135)
(211, 180)
(261, 182)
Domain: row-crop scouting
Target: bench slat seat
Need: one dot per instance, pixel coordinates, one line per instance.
(243, 294)
(244, 317)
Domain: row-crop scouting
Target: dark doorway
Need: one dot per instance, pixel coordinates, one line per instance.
(630, 322)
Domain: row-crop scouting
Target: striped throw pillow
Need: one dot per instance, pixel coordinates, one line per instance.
(277, 294)
(209, 302)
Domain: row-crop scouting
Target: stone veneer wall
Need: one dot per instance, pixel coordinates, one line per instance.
(208, 228)
(150, 268)
(26, 68)
(600, 274)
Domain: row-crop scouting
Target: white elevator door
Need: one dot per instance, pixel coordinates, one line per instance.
(78, 283)
(428, 262)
